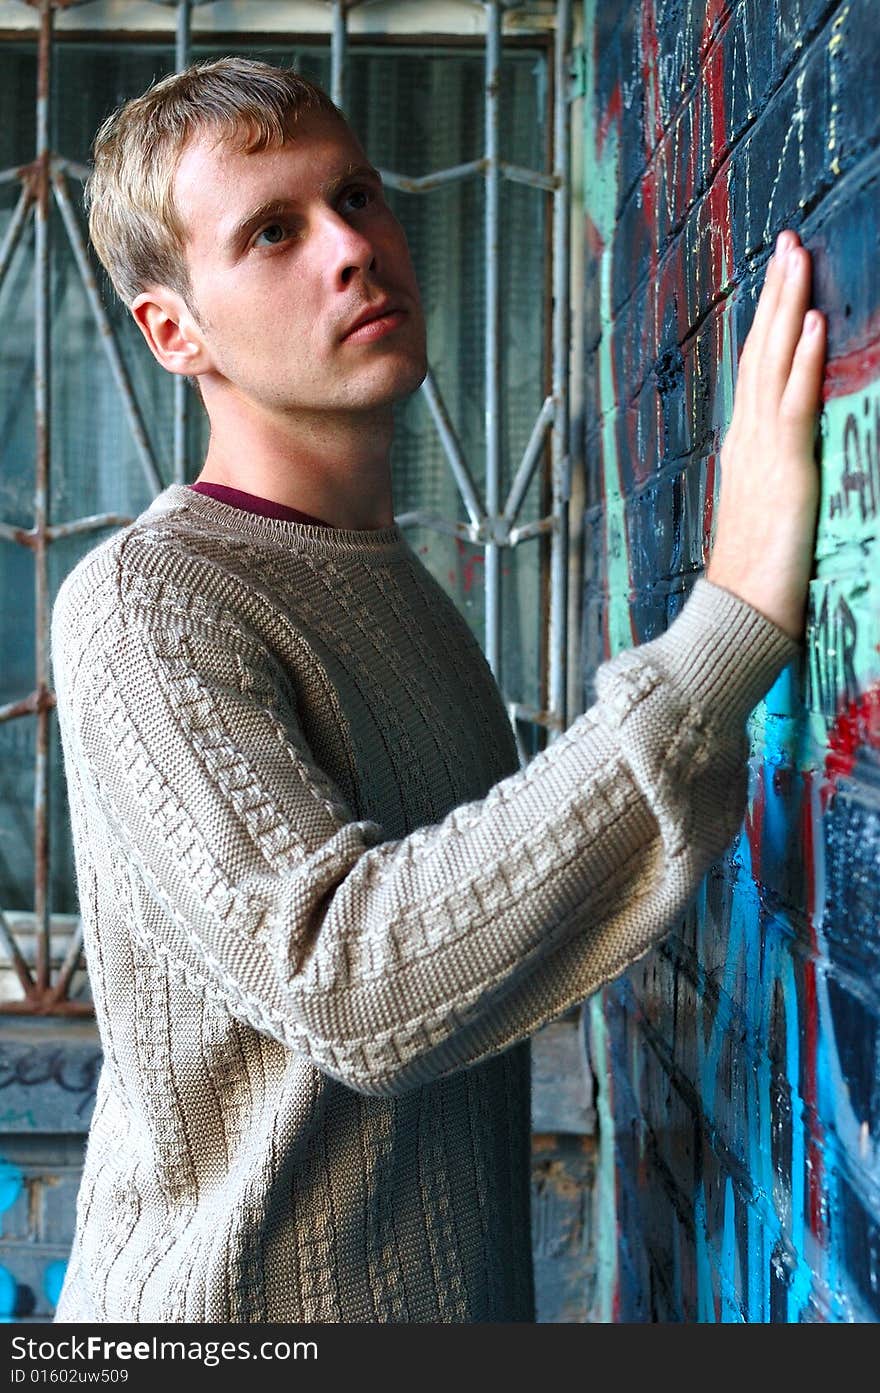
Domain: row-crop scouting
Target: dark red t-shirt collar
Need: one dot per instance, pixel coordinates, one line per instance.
(252, 503)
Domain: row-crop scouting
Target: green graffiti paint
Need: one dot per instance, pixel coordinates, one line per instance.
(605, 1192)
(601, 177)
(843, 658)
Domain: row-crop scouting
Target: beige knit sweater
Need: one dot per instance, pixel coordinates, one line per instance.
(324, 909)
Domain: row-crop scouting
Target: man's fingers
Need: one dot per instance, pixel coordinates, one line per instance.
(802, 397)
(755, 346)
(770, 291)
(787, 325)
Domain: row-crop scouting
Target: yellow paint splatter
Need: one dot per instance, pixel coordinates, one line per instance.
(833, 45)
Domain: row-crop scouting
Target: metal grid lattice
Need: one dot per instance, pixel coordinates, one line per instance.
(492, 521)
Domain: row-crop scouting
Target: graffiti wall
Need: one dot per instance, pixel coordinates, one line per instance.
(739, 1064)
(48, 1075)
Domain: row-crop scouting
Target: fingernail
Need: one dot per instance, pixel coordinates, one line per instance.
(792, 262)
(783, 242)
(813, 322)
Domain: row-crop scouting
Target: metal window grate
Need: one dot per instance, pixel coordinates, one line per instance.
(43, 949)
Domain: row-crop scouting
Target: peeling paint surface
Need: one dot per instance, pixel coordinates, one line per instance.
(738, 1065)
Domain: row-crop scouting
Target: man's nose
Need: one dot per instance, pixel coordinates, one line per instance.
(350, 250)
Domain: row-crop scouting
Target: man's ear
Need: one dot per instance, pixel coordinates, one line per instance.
(171, 331)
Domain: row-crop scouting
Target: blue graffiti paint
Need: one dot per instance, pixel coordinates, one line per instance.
(53, 1279)
(800, 1281)
(8, 1295)
(705, 1303)
(756, 943)
(11, 1185)
(730, 1314)
(785, 982)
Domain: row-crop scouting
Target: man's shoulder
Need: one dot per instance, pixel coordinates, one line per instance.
(158, 548)
(151, 569)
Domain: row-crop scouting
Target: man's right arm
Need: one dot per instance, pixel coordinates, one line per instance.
(763, 545)
(392, 962)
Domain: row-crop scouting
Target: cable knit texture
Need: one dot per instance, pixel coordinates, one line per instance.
(324, 909)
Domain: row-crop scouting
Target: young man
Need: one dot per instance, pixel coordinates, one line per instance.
(324, 908)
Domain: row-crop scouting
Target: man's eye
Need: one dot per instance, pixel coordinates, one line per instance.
(366, 197)
(271, 235)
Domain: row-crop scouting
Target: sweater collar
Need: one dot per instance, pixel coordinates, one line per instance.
(329, 541)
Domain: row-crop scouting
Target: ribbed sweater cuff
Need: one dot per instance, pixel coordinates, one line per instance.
(728, 653)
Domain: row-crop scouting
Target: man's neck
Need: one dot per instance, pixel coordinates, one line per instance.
(334, 468)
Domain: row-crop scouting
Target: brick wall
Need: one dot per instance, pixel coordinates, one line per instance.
(48, 1071)
(739, 1063)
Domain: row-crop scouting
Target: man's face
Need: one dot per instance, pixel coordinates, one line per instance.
(286, 249)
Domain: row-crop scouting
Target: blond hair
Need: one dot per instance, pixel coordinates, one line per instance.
(133, 223)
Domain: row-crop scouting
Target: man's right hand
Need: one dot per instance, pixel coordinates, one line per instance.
(766, 521)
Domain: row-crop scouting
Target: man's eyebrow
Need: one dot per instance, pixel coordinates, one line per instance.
(277, 207)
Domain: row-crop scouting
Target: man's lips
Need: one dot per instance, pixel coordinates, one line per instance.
(375, 321)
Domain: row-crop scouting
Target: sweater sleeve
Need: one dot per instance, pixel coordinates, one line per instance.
(393, 962)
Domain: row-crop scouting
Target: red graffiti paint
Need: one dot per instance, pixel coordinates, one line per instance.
(650, 47)
(593, 238)
(754, 825)
(815, 1162)
(857, 724)
(716, 11)
(475, 558)
(652, 134)
(705, 158)
(613, 112)
(718, 196)
(853, 371)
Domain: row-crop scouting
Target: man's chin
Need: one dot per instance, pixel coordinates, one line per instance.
(403, 377)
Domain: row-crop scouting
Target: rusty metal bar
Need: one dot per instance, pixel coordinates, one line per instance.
(524, 755)
(69, 966)
(419, 517)
(520, 485)
(22, 971)
(486, 525)
(492, 232)
(426, 183)
(452, 447)
(181, 419)
(14, 230)
(550, 720)
(40, 700)
(22, 535)
(543, 527)
(56, 4)
(76, 171)
(47, 1006)
(89, 524)
(181, 388)
(29, 537)
(338, 54)
(477, 533)
(182, 34)
(108, 338)
(517, 174)
(42, 405)
(559, 456)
